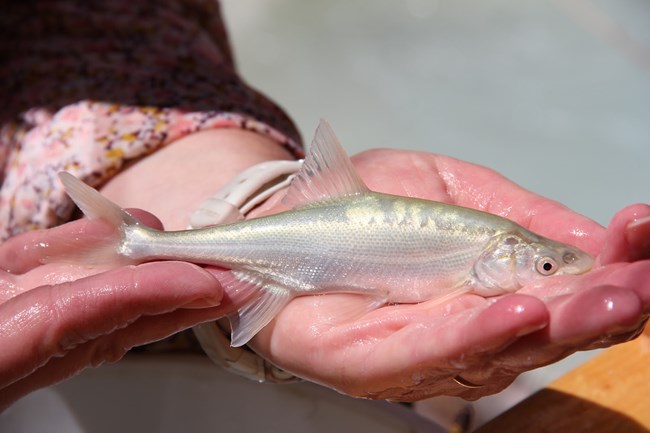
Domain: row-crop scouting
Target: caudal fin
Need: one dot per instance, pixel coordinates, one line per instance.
(93, 204)
(96, 206)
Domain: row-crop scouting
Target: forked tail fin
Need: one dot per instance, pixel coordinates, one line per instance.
(93, 204)
(97, 207)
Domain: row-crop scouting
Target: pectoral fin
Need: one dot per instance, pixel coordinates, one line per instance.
(259, 299)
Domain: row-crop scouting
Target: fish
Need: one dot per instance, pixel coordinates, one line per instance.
(341, 237)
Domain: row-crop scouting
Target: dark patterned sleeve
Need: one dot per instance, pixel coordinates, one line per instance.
(88, 85)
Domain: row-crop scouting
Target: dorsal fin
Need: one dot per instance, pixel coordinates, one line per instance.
(326, 174)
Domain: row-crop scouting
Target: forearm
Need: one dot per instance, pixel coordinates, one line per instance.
(172, 182)
(101, 124)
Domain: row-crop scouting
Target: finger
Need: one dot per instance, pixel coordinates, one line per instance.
(444, 384)
(577, 322)
(29, 250)
(146, 218)
(630, 276)
(423, 346)
(638, 238)
(473, 347)
(108, 348)
(470, 336)
(634, 276)
(50, 321)
(594, 314)
(628, 236)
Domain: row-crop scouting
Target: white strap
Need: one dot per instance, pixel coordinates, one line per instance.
(247, 190)
(231, 203)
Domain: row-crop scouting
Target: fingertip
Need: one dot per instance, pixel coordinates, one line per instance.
(523, 314)
(638, 238)
(146, 218)
(203, 289)
(628, 236)
(596, 312)
(623, 306)
(26, 251)
(506, 319)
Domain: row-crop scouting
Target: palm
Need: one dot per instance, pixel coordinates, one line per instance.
(58, 318)
(408, 352)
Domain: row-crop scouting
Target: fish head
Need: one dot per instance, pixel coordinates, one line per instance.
(511, 261)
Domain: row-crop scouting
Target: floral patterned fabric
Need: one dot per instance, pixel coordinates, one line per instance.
(89, 85)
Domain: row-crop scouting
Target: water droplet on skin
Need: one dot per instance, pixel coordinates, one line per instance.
(418, 377)
(34, 246)
(579, 233)
(8, 288)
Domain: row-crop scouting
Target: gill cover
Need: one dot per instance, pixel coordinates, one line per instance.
(498, 268)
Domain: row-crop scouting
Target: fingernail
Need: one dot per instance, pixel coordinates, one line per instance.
(638, 238)
(212, 300)
(530, 329)
(638, 223)
(202, 281)
(204, 303)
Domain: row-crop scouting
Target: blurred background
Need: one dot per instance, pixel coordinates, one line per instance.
(555, 94)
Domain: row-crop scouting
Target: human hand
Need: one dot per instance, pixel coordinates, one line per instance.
(411, 352)
(57, 319)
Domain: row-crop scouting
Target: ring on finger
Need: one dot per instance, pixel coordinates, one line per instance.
(460, 380)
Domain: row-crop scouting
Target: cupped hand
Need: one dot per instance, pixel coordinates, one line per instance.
(411, 352)
(57, 319)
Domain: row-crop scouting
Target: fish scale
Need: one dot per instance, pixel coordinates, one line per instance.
(342, 237)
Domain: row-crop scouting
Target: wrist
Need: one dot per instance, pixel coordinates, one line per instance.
(176, 179)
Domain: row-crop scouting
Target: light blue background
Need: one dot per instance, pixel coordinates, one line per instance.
(554, 94)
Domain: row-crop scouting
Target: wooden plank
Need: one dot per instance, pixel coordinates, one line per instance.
(608, 394)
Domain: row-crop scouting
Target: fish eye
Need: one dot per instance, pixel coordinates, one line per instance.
(546, 266)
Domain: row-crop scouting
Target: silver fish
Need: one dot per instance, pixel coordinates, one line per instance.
(342, 237)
